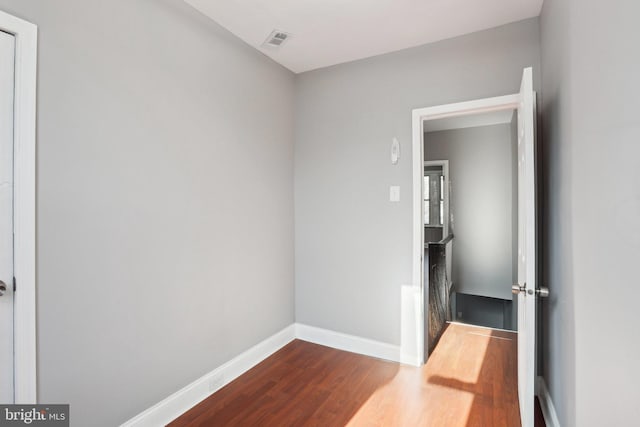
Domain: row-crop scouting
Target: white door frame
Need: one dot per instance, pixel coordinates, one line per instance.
(419, 115)
(445, 172)
(26, 39)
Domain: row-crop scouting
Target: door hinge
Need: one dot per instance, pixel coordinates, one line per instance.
(14, 283)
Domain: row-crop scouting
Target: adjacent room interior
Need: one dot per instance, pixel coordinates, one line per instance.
(471, 217)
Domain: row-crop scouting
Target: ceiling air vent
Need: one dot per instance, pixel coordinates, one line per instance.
(276, 39)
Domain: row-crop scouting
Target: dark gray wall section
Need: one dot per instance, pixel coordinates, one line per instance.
(432, 234)
(485, 311)
(353, 247)
(165, 146)
(559, 327)
(591, 233)
(481, 205)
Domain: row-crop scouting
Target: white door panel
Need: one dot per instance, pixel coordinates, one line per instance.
(7, 67)
(527, 240)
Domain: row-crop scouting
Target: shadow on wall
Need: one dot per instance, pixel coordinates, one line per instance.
(557, 339)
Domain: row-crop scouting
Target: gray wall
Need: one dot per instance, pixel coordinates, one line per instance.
(481, 204)
(353, 246)
(606, 130)
(591, 100)
(558, 332)
(164, 147)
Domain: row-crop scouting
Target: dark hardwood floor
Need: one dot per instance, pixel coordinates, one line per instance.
(539, 420)
(470, 380)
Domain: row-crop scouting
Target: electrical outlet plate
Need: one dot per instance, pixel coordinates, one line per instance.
(394, 193)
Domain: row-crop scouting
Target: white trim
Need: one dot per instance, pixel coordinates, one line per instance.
(419, 115)
(351, 343)
(180, 402)
(477, 106)
(483, 327)
(26, 36)
(418, 237)
(445, 172)
(546, 404)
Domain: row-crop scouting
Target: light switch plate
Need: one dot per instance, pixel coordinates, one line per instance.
(394, 193)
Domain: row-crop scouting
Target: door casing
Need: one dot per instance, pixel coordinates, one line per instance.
(24, 139)
(486, 105)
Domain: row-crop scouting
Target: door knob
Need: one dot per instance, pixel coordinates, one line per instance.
(516, 289)
(3, 288)
(542, 292)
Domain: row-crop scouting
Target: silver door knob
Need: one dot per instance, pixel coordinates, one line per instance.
(3, 288)
(542, 292)
(517, 289)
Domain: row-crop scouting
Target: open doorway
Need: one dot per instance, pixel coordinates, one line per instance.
(470, 275)
(461, 117)
(468, 214)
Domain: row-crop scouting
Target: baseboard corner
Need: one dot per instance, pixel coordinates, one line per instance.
(184, 399)
(346, 342)
(546, 403)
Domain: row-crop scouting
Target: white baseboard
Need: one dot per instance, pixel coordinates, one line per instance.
(178, 403)
(350, 343)
(546, 404)
(181, 401)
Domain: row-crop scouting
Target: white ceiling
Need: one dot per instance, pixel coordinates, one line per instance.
(328, 32)
(469, 121)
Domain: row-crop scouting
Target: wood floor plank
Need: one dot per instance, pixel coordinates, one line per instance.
(469, 381)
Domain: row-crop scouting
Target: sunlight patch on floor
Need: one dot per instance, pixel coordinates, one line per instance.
(440, 364)
(442, 391)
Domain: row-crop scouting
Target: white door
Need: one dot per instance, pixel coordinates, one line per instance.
(7, 66)
(526, 287)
